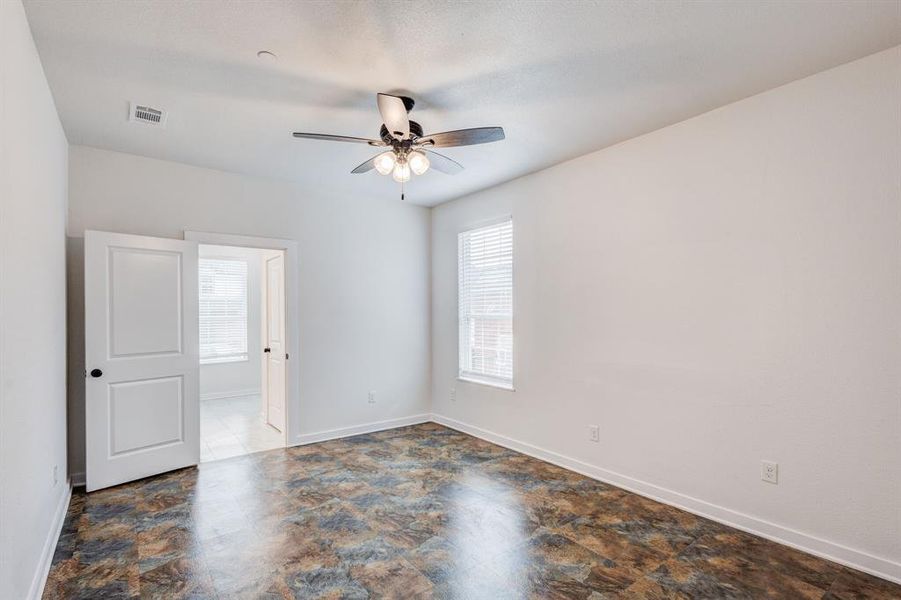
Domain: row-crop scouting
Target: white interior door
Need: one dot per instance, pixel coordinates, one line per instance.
(275, 341)
(141, 357)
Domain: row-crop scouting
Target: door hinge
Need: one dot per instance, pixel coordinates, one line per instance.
(286, 356)
(267, 349)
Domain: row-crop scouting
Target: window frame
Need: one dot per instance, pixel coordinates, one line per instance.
(468, 376)
(233, 358)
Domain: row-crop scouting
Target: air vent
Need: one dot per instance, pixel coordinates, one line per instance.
(147, 115)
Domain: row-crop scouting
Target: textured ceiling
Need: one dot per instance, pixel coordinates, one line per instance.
(563, 78)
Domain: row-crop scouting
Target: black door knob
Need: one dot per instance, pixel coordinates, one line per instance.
(96, 372)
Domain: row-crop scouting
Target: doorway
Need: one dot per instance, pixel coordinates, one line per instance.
(142, 352)
(242, 350)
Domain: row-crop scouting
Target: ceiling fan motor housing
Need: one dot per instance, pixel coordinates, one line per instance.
(415, 132)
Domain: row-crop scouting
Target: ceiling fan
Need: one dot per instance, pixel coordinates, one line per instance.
(410, 151)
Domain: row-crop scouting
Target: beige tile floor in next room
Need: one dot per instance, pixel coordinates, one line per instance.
(233, 427)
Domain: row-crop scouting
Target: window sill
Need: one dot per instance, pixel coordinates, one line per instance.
(487, 383)
(224, 359)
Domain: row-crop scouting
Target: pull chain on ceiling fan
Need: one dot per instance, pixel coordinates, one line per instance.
(410, 151)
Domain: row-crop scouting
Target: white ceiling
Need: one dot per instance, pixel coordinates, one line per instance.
(562, 78)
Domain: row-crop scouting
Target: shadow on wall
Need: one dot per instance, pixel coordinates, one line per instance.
(75, 356)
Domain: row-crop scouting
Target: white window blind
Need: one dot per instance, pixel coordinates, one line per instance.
(485, 284)
(223, 310)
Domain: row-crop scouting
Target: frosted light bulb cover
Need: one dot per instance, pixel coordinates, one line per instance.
(384, 162)
(401, 172)
(419, 163)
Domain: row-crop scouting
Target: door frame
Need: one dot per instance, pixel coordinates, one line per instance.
(292, 314)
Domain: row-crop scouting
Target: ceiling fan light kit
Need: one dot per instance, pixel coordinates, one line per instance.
(410, 151)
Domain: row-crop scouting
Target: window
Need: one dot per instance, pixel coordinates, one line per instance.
(223, 310)
(485, 272)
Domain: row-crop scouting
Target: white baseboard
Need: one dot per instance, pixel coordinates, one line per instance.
(333, 434)
(856, 559)
(43, 568)
(230, 394)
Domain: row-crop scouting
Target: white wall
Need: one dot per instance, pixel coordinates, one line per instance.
(239, 378)
(363, 276)
(33, 151)
(721, 291)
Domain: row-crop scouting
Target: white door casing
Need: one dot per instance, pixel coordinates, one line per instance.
(141, 357)
(275, 341)
(291, 252)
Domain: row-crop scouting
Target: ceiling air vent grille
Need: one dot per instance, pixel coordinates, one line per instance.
(147, 115)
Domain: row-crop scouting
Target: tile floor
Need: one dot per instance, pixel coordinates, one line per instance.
(233, 426)
(416, 512)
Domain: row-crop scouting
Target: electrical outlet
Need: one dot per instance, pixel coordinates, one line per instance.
(453, 394)
(769, 471)
(594, 433)
(372, 397)
(54, 473)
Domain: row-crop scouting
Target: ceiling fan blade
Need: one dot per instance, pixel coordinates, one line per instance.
(463, 137)
(366, 166)
(394, 115)
(441, 163)
(338, 138)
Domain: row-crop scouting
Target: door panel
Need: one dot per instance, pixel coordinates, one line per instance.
(146, 414)
(145, 301)
(141, 339)
(275, 332)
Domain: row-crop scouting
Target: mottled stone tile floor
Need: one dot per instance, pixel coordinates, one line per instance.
(415, 512)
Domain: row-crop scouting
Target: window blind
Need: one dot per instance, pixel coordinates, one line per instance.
(223, 310)
(485, 284)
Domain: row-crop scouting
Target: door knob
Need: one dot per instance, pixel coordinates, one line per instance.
(96, 372)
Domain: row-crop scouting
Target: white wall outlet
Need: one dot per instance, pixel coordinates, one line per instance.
(372, 397)
(594, 433)
(54, 473)
(769, 471)
(453, 394)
